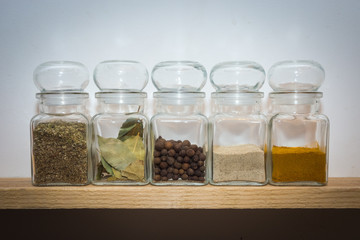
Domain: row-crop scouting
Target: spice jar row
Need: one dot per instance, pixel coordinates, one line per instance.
(236, 145)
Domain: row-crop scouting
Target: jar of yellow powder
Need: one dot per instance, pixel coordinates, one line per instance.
(298, 133)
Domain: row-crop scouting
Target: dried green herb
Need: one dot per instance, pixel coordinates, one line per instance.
(60, 153)
(122, 158)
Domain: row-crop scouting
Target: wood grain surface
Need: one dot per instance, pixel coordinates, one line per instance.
(18, 193)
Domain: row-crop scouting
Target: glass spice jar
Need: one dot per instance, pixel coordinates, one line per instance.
(60, 142)
(238, 128)
(120, 130)
(298, 133)
(179, 132)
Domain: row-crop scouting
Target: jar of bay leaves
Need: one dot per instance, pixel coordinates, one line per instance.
(238, 128)
(179, 131)
(298, 134)
(60, 142)
(120, 129)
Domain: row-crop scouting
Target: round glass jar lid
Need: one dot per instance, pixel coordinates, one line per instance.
(61, 76)
(237, 76)
(119, 75)
(179, 76)
(296, 76)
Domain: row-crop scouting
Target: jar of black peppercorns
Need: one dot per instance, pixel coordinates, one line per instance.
(179, 132)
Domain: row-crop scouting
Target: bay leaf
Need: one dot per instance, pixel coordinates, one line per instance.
(136, 146)
(124, 131)
(107, 167)
(115, 152)
(135, 171)
(131, 127)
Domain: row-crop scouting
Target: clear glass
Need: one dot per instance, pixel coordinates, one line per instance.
(60, 133)
(237, 76)
(120, 140)
(298, 140)
(238, 139)
(60, 141)
(122, 75)
(61, 76)
(120, 129)
(179, 140)
(296, 76)
(175, 76)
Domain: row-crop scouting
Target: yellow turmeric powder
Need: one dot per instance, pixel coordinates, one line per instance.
(298, 164)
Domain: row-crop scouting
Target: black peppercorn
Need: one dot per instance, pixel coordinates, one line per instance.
(202, 157)
(182, 153)
(157, 177)
(168, 145)
(186, 143)
(190, 152)
(202, 168)
(194, 165)
(163, 158)
(157, 160)
(159, 145)
(194, 147)
(164, 178)
(179, 159)
(157, 154)
(163, 172)
(170, 170)
(195, 178)
(185, 166)
(177, 165)
(186, 159)
(198, 173)
(201, 179)
(195, 158)
(163, 165)
(190, 172)
(200, 163)
(169, 175)
(184, 177)
(157, 170)
(177, 147)
(164, 152)
(175, 171)
(171, 152)
(200, 149)
(175, 177)
(170, 160)
(181, 171)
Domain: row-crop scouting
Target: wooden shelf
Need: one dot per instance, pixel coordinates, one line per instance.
(16, 193)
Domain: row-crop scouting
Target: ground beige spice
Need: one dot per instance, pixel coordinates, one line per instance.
(238, 163)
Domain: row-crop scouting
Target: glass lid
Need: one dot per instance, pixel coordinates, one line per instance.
(179, 76)
(296, 76)
(237, 76)
(120, 75)
(61, 76)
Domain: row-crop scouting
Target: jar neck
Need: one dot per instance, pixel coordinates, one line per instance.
(236, 103)
(62, 103)
(179, 103)
(116, 102)
(61, 109)
(295, 103)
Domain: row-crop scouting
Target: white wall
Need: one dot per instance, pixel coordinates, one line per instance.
(32, 32)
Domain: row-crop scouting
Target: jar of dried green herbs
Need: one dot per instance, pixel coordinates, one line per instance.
(120, 129)
(179, 130)
(60, 142)
(238, 127)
